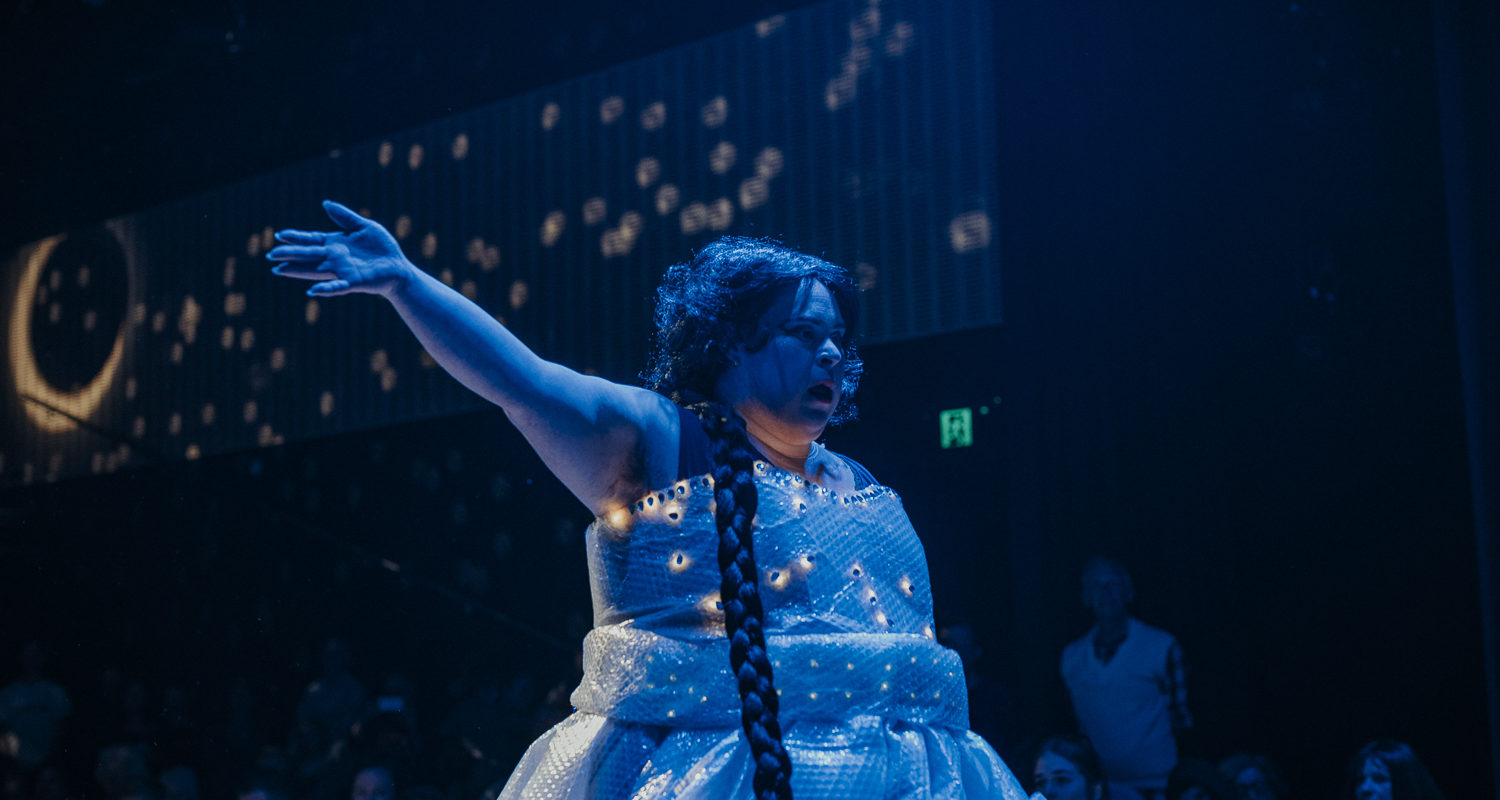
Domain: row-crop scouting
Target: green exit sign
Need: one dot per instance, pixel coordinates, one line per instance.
(956, 428)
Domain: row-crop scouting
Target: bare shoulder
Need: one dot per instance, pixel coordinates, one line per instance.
(607, 442)
(658, 428)
(656, 417)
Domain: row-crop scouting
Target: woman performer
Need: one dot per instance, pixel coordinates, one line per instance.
(819, 673)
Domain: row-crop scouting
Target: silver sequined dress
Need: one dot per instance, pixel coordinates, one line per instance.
(871, 706)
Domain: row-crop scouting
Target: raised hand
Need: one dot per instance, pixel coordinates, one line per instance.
(590, 432)
(360, 257)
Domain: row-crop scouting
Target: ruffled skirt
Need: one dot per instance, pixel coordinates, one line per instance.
(592, 757)
(864, 716)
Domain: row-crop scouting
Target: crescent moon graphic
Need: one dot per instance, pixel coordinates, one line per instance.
(81, 403)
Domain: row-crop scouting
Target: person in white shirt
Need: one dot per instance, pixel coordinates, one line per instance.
(1126, 681)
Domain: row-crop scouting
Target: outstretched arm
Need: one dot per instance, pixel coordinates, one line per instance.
(606, 442)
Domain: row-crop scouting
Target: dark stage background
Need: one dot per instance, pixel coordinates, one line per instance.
(1228, 356)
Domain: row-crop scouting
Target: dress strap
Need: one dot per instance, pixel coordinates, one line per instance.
(862, 477)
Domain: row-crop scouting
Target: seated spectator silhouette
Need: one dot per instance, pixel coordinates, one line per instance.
(1196, 779)
(333, 702)
(1126, 680)
(1067, 768)
(178, 741)
(138, 725)
(32, 709)
(389, 739)
(122, 773)
(262, 785)
(102, 700)
(477, 739)
(179, 782)
(50, 783)
(233, 731)
(326, 714)
(395, 697)
(373, 783)
(1254, 777)
(1388, 770)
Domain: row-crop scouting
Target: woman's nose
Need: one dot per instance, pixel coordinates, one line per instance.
(830, 354)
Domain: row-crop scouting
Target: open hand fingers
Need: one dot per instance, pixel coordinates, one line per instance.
(361, 257)
(290, 236)
(329, 288)
(305, 272)
(298, 252)
(344, 217)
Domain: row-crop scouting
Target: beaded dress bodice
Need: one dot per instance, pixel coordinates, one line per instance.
(843, 580)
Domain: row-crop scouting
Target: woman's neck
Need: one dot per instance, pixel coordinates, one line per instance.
(790, 456)
(807, 459)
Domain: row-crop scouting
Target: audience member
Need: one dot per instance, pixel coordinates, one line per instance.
(138, 725)
(1388, 770)
(395, 697)
(334, 702)
(1254, 777)
(1067, 768)
(123, 774)
(1196, 779)
(262, 785)
(12, 782)
(178, 743)
(373, 783)
(33, 708)
(101, 711)
(1127, 684)
(476, 738)
(232, 731)
(329, 708)
(50, 783)
(179, 783)
(387, 738)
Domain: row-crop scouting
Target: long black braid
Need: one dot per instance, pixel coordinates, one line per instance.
(735, 502)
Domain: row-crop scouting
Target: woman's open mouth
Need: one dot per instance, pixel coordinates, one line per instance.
(821, 392)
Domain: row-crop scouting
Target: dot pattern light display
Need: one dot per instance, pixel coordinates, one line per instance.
(863, 132)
